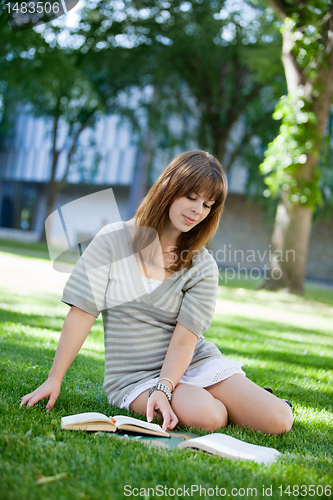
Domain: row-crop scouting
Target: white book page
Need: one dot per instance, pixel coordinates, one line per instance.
(229, 447)
(84, 417)
(122, 420)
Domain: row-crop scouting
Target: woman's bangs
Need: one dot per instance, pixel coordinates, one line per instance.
(209, 186)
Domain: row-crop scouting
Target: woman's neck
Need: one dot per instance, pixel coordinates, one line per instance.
(169, 237)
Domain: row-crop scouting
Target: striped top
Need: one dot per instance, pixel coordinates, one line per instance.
(150, 284)
(138, 326)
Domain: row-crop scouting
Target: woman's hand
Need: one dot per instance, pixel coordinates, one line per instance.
(76, 327)
(50, 389)
(159, 402)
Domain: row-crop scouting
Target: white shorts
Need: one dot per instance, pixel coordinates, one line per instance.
(209, 373)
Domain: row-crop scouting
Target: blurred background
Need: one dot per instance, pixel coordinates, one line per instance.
(107, 94)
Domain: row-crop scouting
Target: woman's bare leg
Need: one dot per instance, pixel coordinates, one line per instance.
(194, 407)
(236, 400)
(251, 406)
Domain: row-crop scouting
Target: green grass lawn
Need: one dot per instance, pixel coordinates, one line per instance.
(285, 342)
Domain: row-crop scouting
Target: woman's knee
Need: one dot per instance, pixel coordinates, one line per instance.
(215, 418)
(209, 420)
(281, 420)
(195, 407)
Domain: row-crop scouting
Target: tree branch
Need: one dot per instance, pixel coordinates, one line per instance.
(280, 7)
(71, 151)
(55, 152)
(329, 45)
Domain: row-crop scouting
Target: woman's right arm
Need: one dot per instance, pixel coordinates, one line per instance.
(76, 327)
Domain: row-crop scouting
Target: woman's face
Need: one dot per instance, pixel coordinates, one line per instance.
(188, 211)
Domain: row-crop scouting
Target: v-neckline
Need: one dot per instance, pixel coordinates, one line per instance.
(155, 294)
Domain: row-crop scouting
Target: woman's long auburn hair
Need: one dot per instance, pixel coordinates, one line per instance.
(193, 171)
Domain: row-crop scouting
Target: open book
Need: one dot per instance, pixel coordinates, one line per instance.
(153, 434)
(215, 444)
(93, 421)
(229, 447)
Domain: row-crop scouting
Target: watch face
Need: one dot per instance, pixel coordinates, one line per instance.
(23, 15)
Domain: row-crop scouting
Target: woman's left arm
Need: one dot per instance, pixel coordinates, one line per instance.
(194, 317)
(178, 357)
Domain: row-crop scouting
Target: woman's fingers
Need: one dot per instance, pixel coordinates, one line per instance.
(53, 398)
(150, 410)
(158, 401)
(173, 421)
(166, 416)
(25, 399)
(50, 389)
(32, 398)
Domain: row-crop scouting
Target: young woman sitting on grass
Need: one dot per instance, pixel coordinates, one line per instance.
(155, 310)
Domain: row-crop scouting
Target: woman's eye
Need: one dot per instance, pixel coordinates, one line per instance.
(194, 199)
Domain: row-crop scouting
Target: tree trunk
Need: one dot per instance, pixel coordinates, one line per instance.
(220, 139)
(291, 234)
(143, 165)
(52, 192)
(52, 185)
(289, 245)
(139, 186)
(290, 240)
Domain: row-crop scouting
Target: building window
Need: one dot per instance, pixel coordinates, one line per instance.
(18, 205)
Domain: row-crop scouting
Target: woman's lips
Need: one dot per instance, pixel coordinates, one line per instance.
(188, 220)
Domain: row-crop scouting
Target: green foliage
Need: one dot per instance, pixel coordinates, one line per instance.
(208, 62)
(306, 22)
(298, 137)
(260, 130)
(47, 81)
(205, 61)
(306, 32)
(16, 51)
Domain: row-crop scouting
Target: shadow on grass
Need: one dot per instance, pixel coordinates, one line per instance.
(23, 368)
(285, 387)
(278, 356)
(308, 305)
(82, 391)
(32, 364)
(249, 324)
(32, 320)
(249, 328)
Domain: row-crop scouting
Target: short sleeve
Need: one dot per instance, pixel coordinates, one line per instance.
(86, 286)
(198, 303)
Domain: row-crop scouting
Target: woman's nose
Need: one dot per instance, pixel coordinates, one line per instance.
(197, 208)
